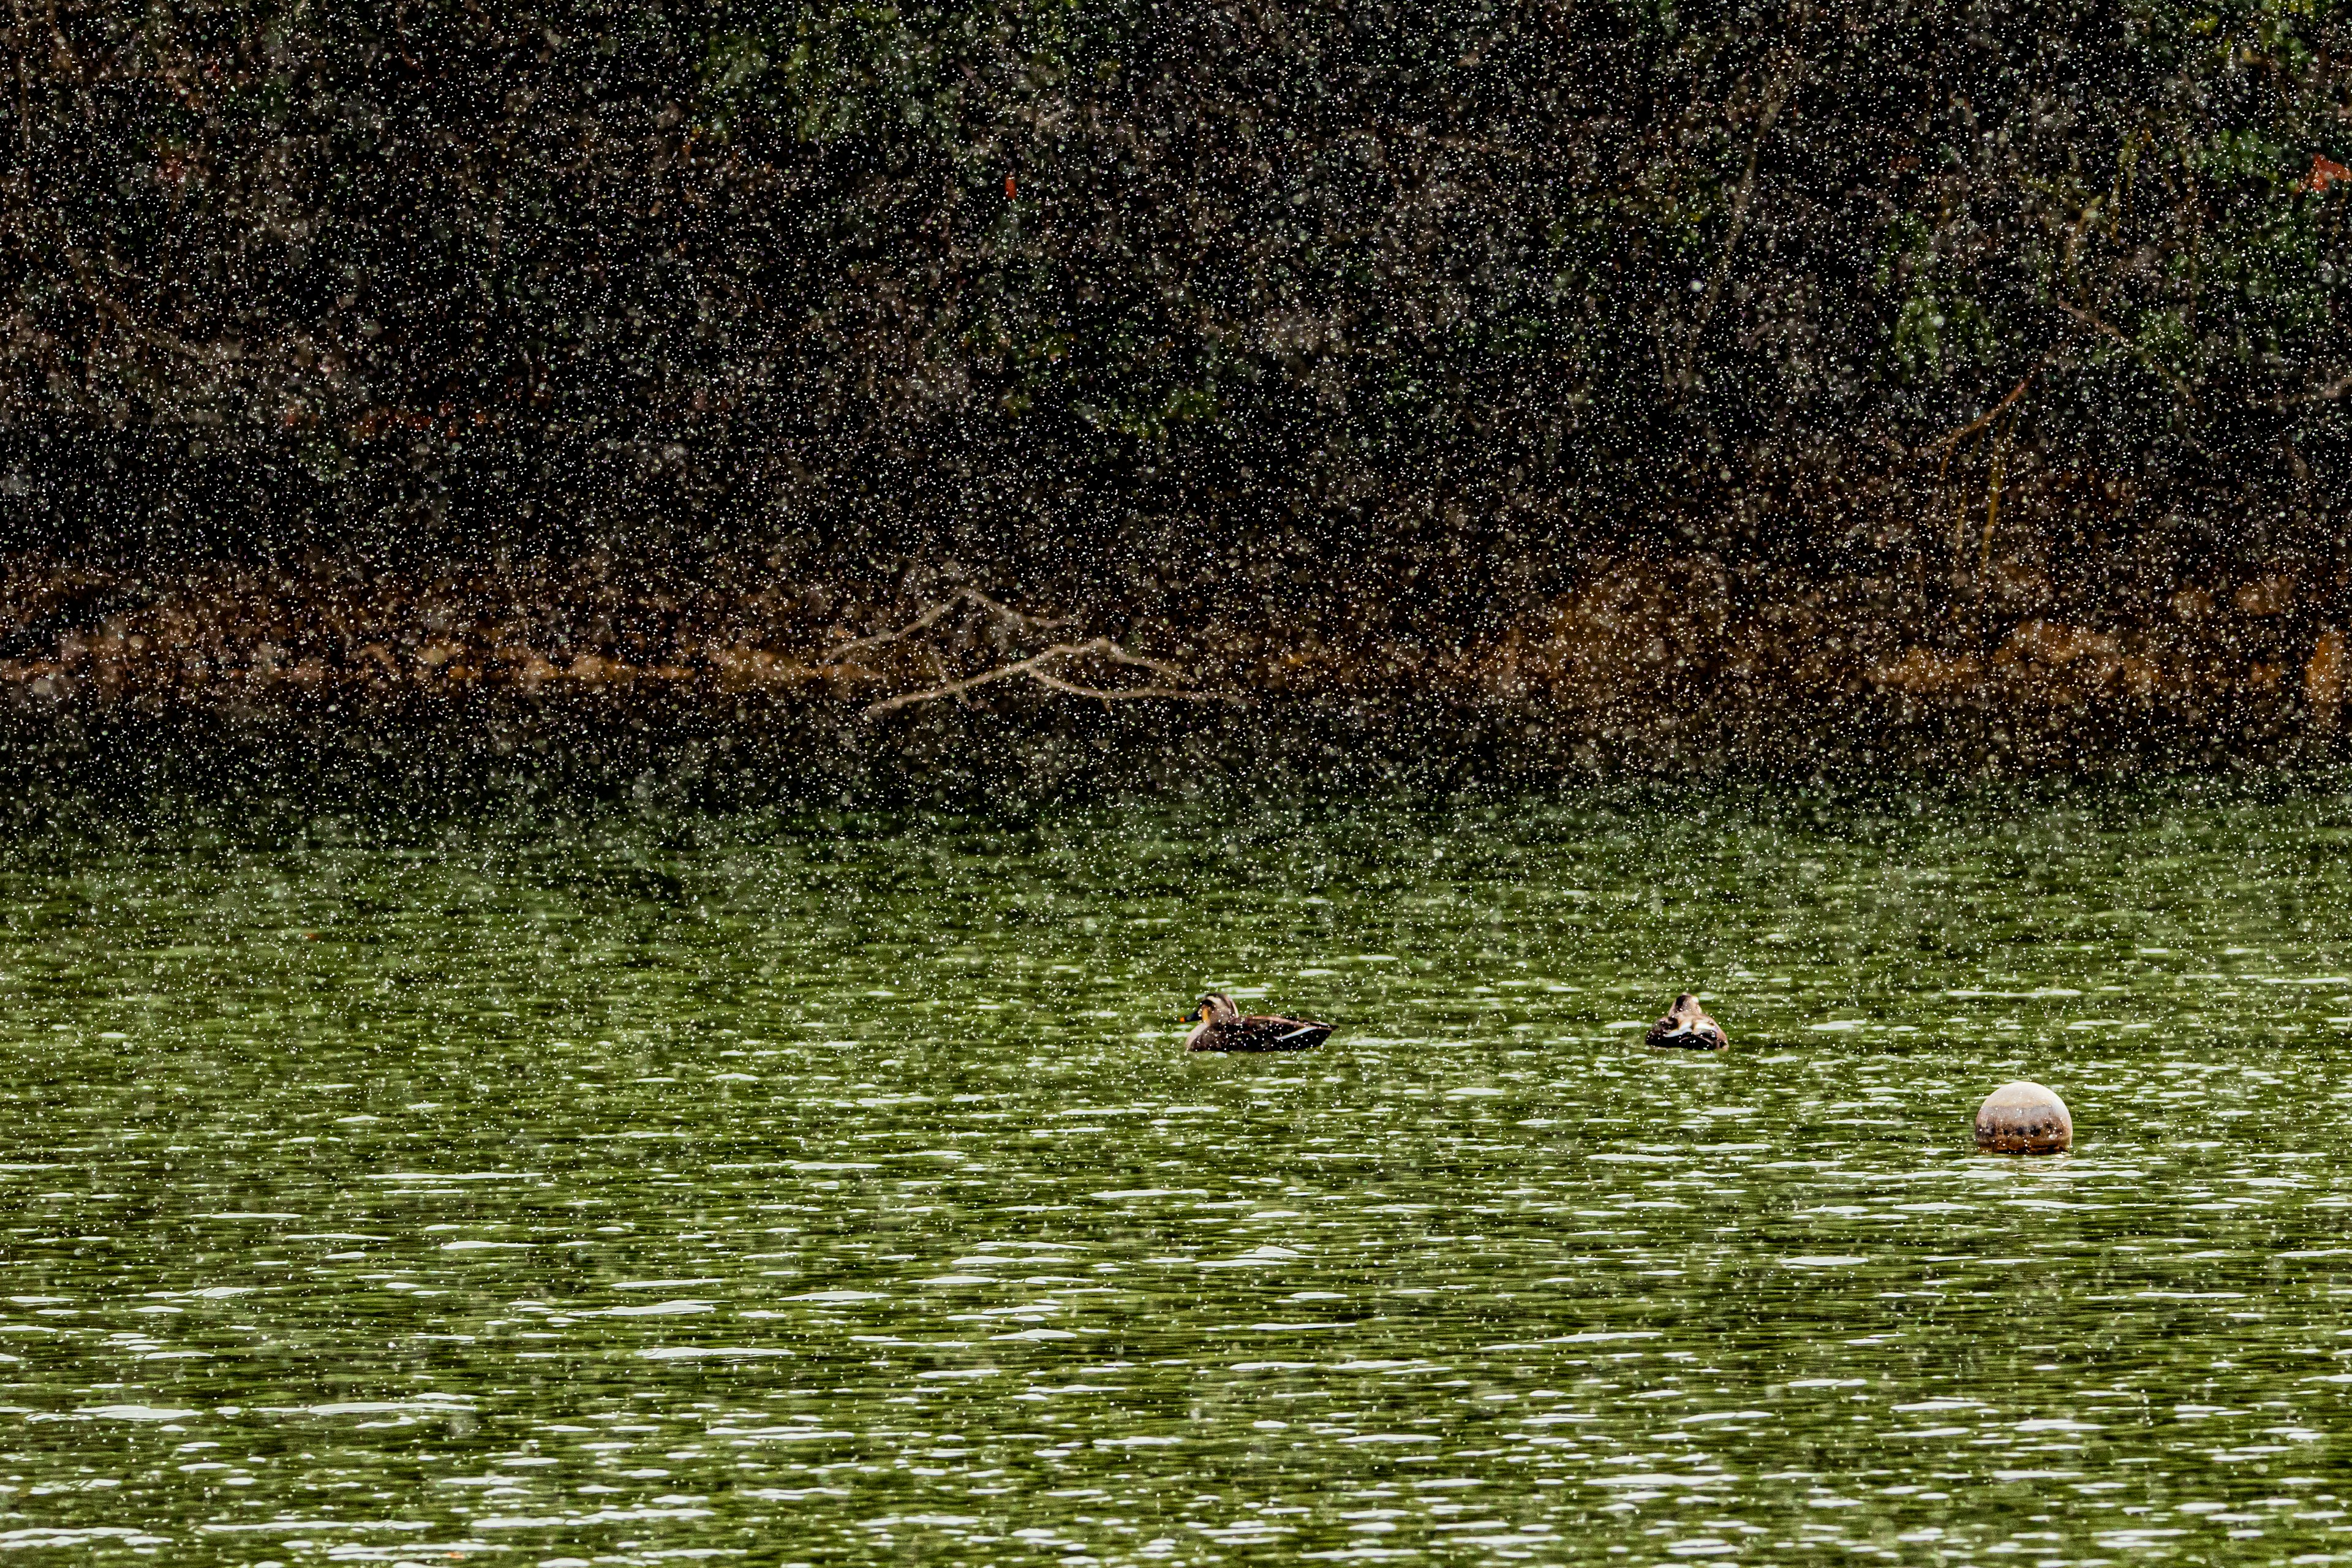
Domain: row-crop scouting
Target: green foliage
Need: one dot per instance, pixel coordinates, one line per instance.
(1933, 334)
(425, 278)
(824, 74)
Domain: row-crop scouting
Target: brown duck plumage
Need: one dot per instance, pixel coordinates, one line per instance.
(1219, 1026)
(1686, 1026)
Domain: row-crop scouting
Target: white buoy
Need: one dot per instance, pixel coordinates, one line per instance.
(2024, 1118)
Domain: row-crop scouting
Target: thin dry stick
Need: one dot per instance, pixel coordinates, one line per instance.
(1034, 668)
(2001, 440)
(1952, 440)
(2097, 323)
(931, 617)
(24, 80)
(2328, 393)
(1774, 96)
(1950, 443)
(1960, 517)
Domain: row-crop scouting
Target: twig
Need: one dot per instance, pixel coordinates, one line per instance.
(2328, 393)
(1775, 95)
(1034, 668)
(931, 616)
(2094, 320)
(2001, 440)
(1955, 437)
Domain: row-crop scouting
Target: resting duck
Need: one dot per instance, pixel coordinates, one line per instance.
(1686, 1026)
(1219, 1026)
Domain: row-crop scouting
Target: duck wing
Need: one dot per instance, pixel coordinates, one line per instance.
(1259, 1035)
(1266, 1034)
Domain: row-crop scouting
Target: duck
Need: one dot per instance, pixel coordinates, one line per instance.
(1686, 1026)
(1219, 1026)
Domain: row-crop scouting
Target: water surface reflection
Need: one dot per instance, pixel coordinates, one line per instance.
(833, 1190)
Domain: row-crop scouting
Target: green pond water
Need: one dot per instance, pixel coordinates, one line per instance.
(655, 1188)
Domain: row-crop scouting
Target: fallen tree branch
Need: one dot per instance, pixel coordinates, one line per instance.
(930, 617)
(1955, 437)
(1034, 668)
(2328, 393)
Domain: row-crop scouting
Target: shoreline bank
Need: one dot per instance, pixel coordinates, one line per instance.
(1645, 667)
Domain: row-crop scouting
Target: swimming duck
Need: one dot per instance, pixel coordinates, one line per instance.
(1686, 1026)
(1219, 1026)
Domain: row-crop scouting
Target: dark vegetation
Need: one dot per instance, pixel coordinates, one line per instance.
(1959, 381)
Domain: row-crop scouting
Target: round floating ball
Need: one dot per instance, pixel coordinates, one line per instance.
(2023, 1118)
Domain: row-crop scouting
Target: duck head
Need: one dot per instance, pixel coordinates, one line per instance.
(1216, 1007)
(1686, 1023)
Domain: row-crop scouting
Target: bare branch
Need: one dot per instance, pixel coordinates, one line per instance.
(1172, 693)
(1955, 437)
(1986, 417)
(1173, 684)
(2328, 393)
(1774, 96)
(931, 617)
(1034, 668)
